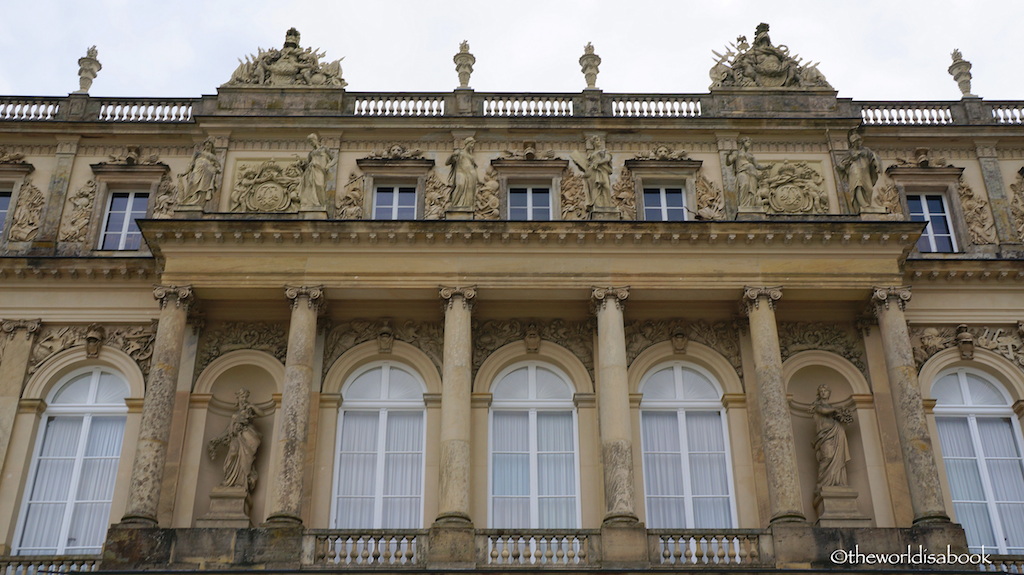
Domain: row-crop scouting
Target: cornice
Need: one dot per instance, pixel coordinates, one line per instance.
(961, 271)
(138, 269)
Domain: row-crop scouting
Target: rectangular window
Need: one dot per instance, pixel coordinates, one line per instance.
(938, 235)
(120, 231)
(665, 204)
(529, 204)
(5, 205)
(394, 203)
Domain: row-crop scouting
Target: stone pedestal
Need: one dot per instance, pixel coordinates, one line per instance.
(459, 214)
(624, 546)
(452, 546)
(837, 507)
(605, 214)
(313, 213)
(189, 212)
(229, 507)
(750, 213)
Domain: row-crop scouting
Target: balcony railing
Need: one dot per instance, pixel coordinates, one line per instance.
(540, 548)
(703, 547)
(82, 107)
(45, 564)
(335, 548)
(1004, 564)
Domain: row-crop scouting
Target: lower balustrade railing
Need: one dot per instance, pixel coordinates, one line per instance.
(334, 548)
(42, 564)
(1004, 564)
(704, 547)
(547, 547)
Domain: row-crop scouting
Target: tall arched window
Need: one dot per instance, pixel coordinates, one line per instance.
(687, 475)
(534, 482)
(981, 448)
(66, 509)
(378, 483)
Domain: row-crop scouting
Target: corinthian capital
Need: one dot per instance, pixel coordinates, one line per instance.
(882, 296)
(752, 297)
(602, 295)
(182, 296)
(9, 326)
(450, 294)
(314, 296)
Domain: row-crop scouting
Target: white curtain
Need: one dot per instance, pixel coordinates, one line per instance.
(510, 468)
(965, 484)
(73, 485)
(556, 470)
(380, 470)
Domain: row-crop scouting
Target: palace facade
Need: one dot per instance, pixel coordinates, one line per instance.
(293, 326)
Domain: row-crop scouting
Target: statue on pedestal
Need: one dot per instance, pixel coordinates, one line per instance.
(830, 445)
(314, 168)
(463, 178)
(199, 181)
(242, 440)
(88, 67)
(860, 168)
(748, 175)
(596, 164)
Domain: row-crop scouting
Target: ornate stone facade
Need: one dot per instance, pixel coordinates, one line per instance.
(25, 220)
(226, 337)
(134, 340)
(289, 66)
(842, 340)
(763, 65)
(721, 336)
(426, 336)
(270, 186)
(577, 337)
(1007, 341)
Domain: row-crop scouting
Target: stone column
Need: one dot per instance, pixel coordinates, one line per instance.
(20, 333)
(157, 407)
(613, 406)
(776, 426)
(922, 473)
(456, 391)
(286, 497)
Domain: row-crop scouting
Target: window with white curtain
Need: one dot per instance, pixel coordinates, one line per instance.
(534, 479)
(66, 508)
(687, 473)
(378, 482)
(981, 449)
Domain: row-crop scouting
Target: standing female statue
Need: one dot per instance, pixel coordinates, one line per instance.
(830, 446)
(242, 439)
(314, 174)
(199, 180)
(748, 174)
(860, 168)
(463, 178)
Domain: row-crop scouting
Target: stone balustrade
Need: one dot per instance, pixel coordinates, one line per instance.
(510, 105)
(539, 548)
(705, 547)
(48, 564)
(333, 548)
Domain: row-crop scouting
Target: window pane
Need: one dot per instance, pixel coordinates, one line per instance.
(511, 474)
(405, 431)
(661, 431)
(556, 513)
(674, 198)
(511, 431)
(541, 197)
(554, 431)
(359, 431)
(704, 431)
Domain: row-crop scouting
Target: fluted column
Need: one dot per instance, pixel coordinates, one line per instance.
(158, 406)
(777, 429)
(922, 473)
(286, 497)
(456, 390)
(613, 406)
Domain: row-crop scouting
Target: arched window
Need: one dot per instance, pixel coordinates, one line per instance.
(687, 475)
(534, 482)
(66, 509)
(378, 483)
(981, 448)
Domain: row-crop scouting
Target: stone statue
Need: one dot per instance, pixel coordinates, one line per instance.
(464, 65)
(596, 165)
(88, 67)
(589, 62)
(860, 168)
(314, 168)
(763, 65)
(289, 66)
(463, 178)
(199, 181)
(748, 174)
(242, 440)
(960, 69)
(830, 446)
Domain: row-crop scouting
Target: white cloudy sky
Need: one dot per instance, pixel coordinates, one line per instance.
(868, 49)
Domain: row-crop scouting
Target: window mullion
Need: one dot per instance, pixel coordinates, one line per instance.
(534, 472)
(378, 492)
(684, 458)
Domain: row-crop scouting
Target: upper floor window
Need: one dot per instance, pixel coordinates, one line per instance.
(665, 204)
(394, 202)
(529, 203)
(687, 476)
(378, 483)
(534, 482)
(938, 235)
(981, 449)
(120, 230)
(5, 204)
(66, 509)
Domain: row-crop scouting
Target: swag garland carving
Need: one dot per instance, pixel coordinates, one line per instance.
(842, 340)
(134, 340)
(576, 336)
(1006, 341)
(721, 336)
(234, 335)
(427, 336)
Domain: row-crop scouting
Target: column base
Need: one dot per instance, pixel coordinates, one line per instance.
(624, 545)
(452, 545)
(282, 520)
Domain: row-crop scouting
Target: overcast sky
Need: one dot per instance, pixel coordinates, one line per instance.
(867, 49)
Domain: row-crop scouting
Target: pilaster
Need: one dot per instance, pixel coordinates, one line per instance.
(18, 335)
